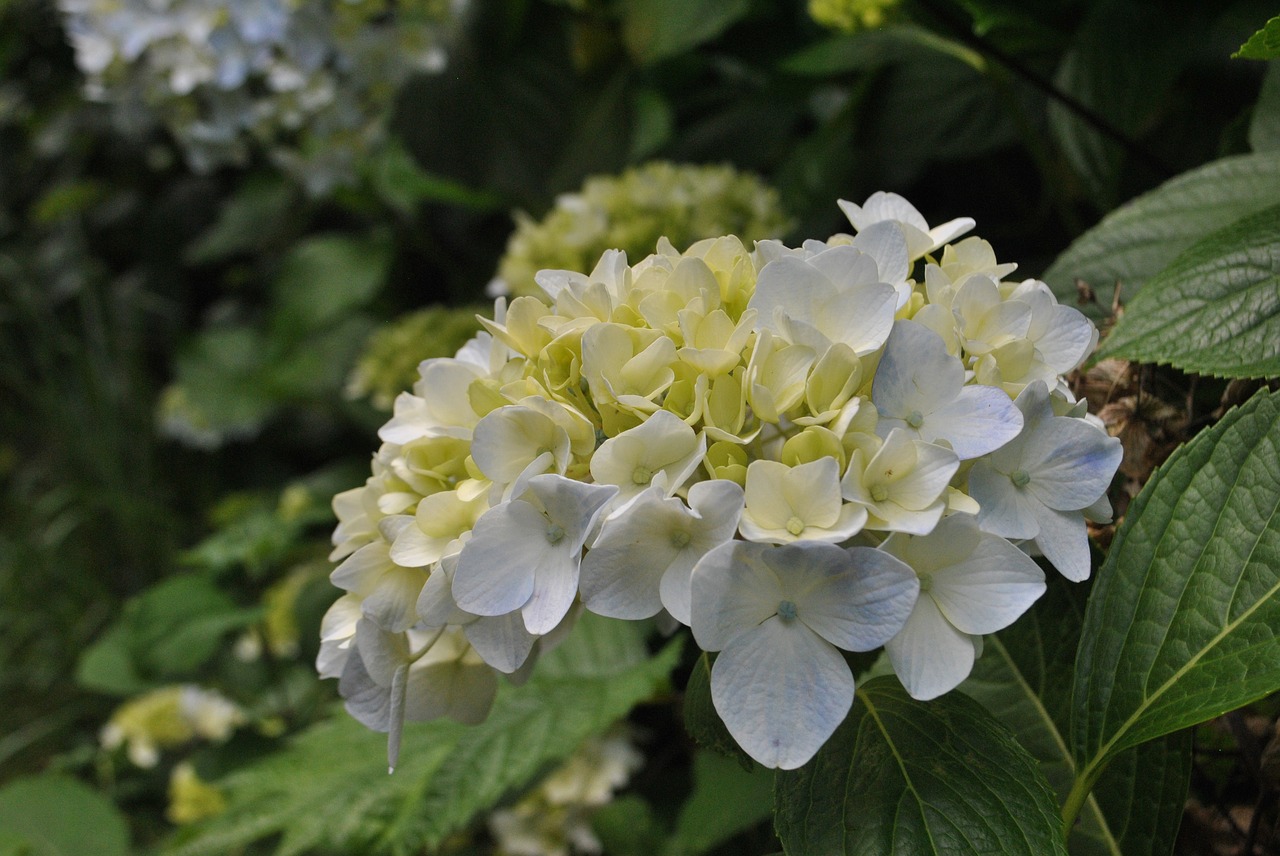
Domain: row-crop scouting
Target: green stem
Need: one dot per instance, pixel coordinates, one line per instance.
(1080, 790)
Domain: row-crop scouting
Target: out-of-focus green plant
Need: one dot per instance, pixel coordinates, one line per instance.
(389, 364)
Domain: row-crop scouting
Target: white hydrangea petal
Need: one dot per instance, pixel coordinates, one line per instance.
(717, 505)
(924, 483)
(393, 602)
(501, 640)
(1068, 341)
(496, 567)
(766, 502)
(1064, 540)
(1070, 463)
(1005, 509)
(381, 652)
(886, 243)
(555, 585)
(733, 590)
(846, 268)
(929, 655)
(572, 505)
(891, 517)
(454, 687)
(856, 599)
(621, 572)
(781, 691)
(862, 319)
(663, 443)
(989, 590)
(509, 438)
(916, 374)
(812, 491)
(361, 570)
(365, 700)
(979, 420)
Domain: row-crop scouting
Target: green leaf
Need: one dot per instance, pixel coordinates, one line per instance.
(1122, 80)
(1138, 240)
(1264, 128)
(329, 788)
(1024, 679)
(1184, 620)
(907, 777)
(1264, 44)
(657, 29)
(627, 826)
(249, 219)
(701, 720)
(402, 184)
(54, 815)
(168, 631)
(1216, 309)
(726, 800)
(325, 277)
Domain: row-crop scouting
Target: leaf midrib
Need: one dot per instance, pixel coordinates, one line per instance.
(1109, 839)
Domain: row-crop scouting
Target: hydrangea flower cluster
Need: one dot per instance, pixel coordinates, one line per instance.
(797, 452)
(630, 212)
(222, 75)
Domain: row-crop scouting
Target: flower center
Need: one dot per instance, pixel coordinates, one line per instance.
(795, 525)
(915, 419)
(555, 532)
(879, 492)
(680, 539)
(642, 475)
(1020, 478)
(787, 610)
(926, 583)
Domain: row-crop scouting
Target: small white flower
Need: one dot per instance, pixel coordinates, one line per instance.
(524, 554)
(663, 445)
(920, 387)
(1040, 485)
(903, 486)
(971, 583)
(801, 503)
(643, 559)
(881, 206)
(835, 296)
(777, 615)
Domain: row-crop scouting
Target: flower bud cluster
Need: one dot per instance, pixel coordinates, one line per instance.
(797, 452)
(631, 211)
(310, 80)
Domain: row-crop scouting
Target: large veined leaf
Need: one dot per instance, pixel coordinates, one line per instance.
(329, 788)
(1216, 309)
(1024, 679)
(907, 777)
(1184, 620)
(1142, 237)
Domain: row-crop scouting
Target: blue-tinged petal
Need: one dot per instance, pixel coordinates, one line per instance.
(571, 505)
(781, 691)
(1006, 509)
(1070, 463)
(621, 572)
(916, 375)
(555, 585)
(979, 420)
(929, 655)
(990, 589)
(856, 599)
(393, 602)
(501, 641)
(1064, 540)
(733, 590)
